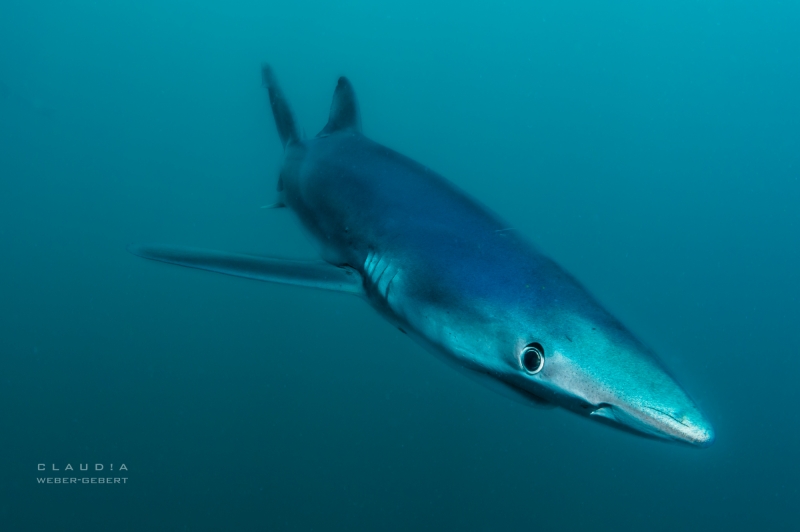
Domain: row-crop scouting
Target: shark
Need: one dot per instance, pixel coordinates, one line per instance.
(448, 272)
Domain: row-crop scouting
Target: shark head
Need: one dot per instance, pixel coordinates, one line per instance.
(568, 350)
(597, 368)
(549, 341)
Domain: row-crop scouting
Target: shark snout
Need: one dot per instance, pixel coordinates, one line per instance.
(687, 426)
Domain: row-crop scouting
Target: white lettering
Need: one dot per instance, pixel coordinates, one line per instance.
(123, 468)
(40, 467)
(98, 467)
(83, 468)
(55, 468)
(68, 468)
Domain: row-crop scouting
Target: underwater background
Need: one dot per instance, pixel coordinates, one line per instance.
(653, 149)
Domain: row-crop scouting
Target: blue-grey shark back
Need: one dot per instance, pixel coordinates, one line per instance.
(455, 277)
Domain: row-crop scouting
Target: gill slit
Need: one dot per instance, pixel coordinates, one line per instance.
(380, 272)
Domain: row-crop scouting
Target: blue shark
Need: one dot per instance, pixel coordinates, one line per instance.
(447, 272)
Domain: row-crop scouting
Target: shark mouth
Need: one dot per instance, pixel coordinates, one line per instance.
(657, 423)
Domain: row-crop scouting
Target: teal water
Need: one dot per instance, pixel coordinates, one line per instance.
(651, 149)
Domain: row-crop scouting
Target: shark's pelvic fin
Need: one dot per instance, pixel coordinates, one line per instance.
(313, 274)
(284, 120)
(344, 110)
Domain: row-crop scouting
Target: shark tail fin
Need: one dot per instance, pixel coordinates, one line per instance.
(284, 120)
(344, 110)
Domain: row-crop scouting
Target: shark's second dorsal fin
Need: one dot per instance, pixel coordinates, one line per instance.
(344, 110)
(284, 120)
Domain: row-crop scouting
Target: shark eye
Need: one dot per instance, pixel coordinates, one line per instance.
(532, 358)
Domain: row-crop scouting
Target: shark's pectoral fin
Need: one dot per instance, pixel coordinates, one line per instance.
(314, 274)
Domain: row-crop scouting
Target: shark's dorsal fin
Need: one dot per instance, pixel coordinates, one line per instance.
(284, 120)
(344, 110)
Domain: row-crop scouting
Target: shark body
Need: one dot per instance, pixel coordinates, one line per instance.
(450, 274)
